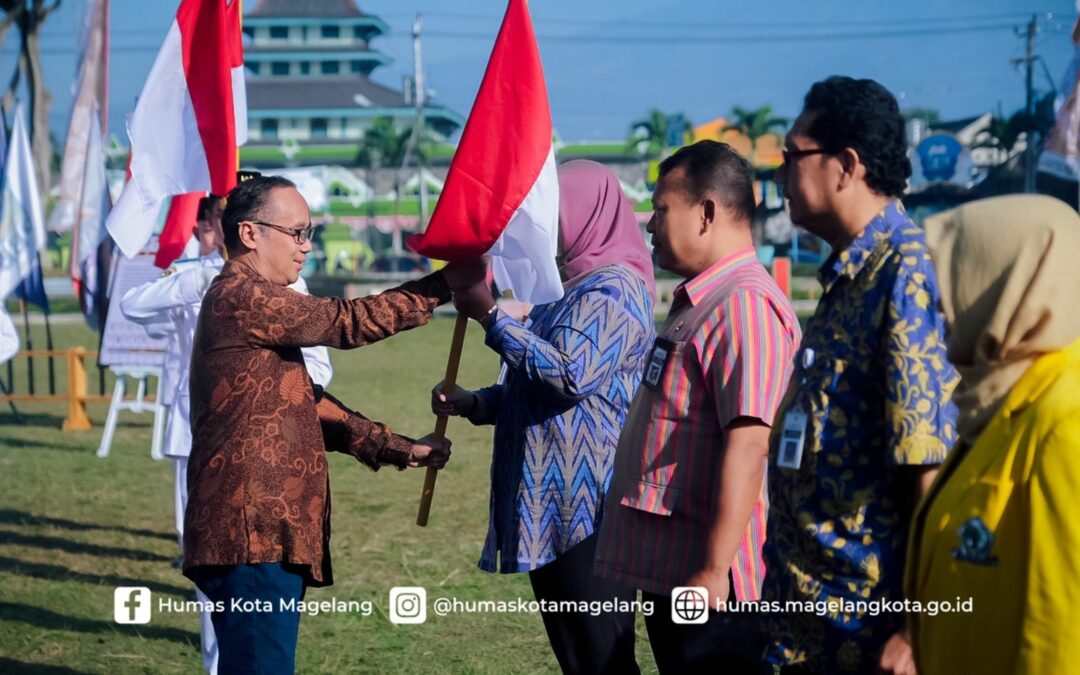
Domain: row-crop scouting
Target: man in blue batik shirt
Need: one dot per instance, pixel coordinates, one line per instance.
(867, 419)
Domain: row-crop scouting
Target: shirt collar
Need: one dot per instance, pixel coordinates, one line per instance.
(697, 288)
(1039, 376)
(849, 261)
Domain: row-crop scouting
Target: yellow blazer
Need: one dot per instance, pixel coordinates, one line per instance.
(1001, 527)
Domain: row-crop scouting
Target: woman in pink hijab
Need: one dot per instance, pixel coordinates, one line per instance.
(569, 374)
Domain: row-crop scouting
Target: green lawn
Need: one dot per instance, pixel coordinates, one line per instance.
(73, 527)
(438, 153)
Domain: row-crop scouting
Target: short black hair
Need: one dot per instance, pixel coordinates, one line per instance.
(714, 167)
(244, 203)
(206, 204)
(864, 116)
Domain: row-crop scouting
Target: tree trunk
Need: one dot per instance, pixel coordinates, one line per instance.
(5, 25)
(8, 102)
(39, 103)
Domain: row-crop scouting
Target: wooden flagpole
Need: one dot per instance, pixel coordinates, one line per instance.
(449, 381)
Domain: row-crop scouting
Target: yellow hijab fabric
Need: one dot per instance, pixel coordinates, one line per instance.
(1009, 271)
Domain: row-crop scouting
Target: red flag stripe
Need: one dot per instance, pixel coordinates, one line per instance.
(178, 229)
(206, 30)
(502, 149)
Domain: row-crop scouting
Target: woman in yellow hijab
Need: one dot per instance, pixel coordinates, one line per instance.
(995, 548)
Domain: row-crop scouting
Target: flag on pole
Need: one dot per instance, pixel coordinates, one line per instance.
(91, 102)
(183, 132)
(176, 233)
(1061, 156)
(22, 222)
(89, 232)
(501, 196)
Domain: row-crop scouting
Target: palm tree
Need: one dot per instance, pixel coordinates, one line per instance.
(649, 136)
(928, 115)
(384, 144)
(29, 16)
(754, 124)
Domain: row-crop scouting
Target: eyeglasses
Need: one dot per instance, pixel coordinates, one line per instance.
(302, 235)
(789, 155)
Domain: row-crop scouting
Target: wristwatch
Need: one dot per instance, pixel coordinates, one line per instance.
(486, 319)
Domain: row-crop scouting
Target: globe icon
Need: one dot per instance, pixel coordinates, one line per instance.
(690, 605)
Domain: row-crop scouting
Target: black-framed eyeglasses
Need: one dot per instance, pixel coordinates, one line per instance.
(302, 235)
(788, 155)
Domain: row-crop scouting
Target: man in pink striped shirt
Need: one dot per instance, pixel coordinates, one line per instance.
(686, 505)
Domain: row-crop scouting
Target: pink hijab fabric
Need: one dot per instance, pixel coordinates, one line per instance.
(597, 226)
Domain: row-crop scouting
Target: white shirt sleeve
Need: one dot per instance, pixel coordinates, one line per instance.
(150, 302)
(317, 359)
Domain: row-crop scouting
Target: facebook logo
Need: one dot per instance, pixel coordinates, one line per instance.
(131, 604)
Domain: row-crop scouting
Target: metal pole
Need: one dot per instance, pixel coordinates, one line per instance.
(420, 98)
(29, 346)
(48, 339)
(1029, 106)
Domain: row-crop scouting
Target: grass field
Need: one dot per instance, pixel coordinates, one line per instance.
(73, 527)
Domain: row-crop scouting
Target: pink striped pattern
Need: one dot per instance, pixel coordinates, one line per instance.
(733, 361)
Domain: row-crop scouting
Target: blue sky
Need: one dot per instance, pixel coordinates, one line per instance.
(609, 61)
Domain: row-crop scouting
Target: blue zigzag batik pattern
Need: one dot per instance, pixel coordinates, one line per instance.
(571, 372)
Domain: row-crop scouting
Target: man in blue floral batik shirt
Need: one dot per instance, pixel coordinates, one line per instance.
(867, 418)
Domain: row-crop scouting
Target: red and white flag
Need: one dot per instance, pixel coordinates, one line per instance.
(91, 101)
(184, 129)
(501, 196)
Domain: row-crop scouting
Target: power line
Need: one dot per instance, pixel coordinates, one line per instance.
(541, 20)
(722, 39)
(718, 38)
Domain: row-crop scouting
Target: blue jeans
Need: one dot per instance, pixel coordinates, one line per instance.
(255, 633)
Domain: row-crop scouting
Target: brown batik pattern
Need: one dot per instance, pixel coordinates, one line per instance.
(257, 476)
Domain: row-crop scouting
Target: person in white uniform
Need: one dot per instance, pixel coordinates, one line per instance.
(169, 307)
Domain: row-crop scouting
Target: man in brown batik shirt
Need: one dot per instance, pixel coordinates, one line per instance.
(257, 525)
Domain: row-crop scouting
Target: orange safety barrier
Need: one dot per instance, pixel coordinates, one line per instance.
(76, 396)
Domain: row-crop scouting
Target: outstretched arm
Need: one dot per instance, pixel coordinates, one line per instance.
(373, 443)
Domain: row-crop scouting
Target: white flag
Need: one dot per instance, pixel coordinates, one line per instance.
(22, 222)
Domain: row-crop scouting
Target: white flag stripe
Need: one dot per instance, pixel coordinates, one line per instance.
(239, 88)
(523, 258)
(167, 157)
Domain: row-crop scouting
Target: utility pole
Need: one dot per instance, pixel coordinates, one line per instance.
(420, 98)
(1028, 61)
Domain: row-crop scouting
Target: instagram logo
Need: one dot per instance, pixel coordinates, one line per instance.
(408, 604)
(131, 604)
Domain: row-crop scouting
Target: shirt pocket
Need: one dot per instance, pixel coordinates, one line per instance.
(833, 418)
(650, 497)
(672, 384)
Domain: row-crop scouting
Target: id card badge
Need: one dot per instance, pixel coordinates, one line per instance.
(792, 438)
(657, 362)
